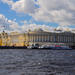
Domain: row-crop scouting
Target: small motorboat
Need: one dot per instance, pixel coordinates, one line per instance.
(66, 48)
(33, 46)
(46, 47)
(58, 47)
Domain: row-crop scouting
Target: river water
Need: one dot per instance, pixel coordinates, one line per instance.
(37, 62)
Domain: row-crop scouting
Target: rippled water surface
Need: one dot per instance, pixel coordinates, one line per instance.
(37, 62)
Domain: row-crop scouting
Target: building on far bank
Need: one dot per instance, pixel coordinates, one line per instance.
(42, 37)
(4, 39)
(0, 40)
(16, 39)
(37, 37)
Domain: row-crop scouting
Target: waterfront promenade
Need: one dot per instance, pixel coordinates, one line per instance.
(37, 62)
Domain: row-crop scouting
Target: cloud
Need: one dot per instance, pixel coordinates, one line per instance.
(33, 27)
(58, 11)
(8, 25)
(12, 25)
(22, 6)
(9, 2)
(3, 22)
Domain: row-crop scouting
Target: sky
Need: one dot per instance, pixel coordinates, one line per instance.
(24, 15)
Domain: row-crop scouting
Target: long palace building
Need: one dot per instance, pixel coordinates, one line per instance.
(37, 37)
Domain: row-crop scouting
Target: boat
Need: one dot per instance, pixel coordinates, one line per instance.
(66, 48)
(46, 47)
(33, 46)
(58, 47)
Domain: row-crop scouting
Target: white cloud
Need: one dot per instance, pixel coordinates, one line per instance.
(58, 11)
(12, 25)
(64, 28)
(22, 6)
(8, 25)
(18, 6)
(9, 2)
(33, 27)
(3, 22)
